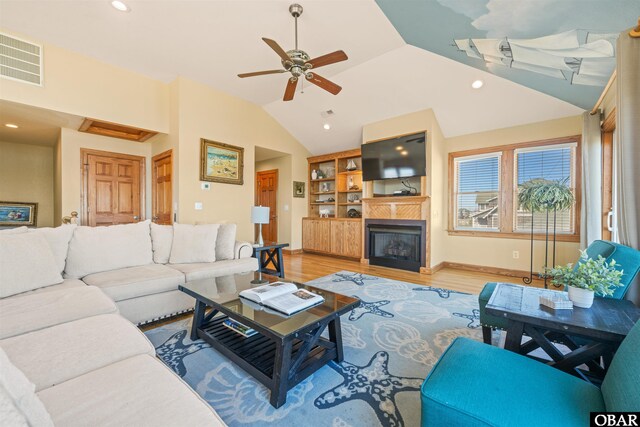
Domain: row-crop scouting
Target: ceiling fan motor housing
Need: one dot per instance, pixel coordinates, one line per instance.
(296, 65)
(295, 10)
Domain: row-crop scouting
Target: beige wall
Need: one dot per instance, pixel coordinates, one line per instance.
(71, 177)
(496, 252)
(285, 193)
(86, 87)
(57, 182)
(26, 175)
(207, 113)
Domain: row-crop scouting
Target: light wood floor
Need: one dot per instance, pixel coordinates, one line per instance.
(305, 267)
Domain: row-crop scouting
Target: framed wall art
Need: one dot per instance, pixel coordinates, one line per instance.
(220, 162)
(298, 189)
(16, 214)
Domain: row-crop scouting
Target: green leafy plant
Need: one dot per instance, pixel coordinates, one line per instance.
(596, 275)
(538, 195)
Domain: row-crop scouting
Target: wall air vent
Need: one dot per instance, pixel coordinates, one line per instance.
(20, 60)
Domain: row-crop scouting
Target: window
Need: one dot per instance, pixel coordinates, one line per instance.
(485, 183)
(477, 192)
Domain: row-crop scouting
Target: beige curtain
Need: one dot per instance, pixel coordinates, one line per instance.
(627, 157)
(591, 208)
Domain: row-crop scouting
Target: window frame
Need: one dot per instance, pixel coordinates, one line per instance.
(507, 178)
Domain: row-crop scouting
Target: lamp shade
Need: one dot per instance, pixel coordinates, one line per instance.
(260, 215)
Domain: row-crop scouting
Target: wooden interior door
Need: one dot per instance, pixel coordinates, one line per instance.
(113, 191)
(267, 195)
(162, 188)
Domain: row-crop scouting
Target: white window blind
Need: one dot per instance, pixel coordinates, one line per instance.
(552, 163)
(477, 192)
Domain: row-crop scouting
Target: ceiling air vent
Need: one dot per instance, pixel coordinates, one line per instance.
(20, 60)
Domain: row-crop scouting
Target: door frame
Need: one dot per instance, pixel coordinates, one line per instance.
(84, 188)
(168, 153)
(607, 128)
(255, 199)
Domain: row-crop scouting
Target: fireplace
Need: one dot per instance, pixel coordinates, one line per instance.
(396, 243)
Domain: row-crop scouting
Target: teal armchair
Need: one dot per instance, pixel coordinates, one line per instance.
(475, 384)
(627, 259)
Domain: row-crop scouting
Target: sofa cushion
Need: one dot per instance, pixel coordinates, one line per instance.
(194, 243)
(161, 239)
(20, 392)
(53, 355)
(226, 242)
(516, 390)
(10, 415)
(154, 307)
(96, 249)
(66, 284)
(26, 263)
(34, 311)
(133, 282)
(205, 270)
(17, 230)
(58, 239)
(139, 391)
(621, 385)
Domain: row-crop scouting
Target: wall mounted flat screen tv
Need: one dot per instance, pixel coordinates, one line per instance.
(401, 157)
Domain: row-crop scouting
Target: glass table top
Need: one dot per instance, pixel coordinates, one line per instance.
(222, 293)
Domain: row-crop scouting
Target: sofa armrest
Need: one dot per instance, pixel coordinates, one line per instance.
(243, 250)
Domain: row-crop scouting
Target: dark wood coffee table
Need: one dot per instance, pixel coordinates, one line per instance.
(590, 333)
(286, 350)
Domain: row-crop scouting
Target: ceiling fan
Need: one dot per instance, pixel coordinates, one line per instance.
(299, 63)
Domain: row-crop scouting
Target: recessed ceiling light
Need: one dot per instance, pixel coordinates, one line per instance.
(404, 152)
(477, 84)
(326, 126)
(399, 147)
(120, 6)
(11, 125)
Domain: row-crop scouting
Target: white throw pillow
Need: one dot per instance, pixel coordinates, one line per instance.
(17, 230)
(22, 394)
(226, 241)
(162, 239)
(58, 239)
(26, 263)
(97, 249)
(194, 243)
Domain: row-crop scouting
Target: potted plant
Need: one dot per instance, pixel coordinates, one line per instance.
(590, 276)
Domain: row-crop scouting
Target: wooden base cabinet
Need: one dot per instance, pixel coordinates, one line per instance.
(333, 236)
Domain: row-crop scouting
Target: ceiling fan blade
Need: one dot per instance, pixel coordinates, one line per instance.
(325, 84)
(290, 89)
(276, 47)
(329, 58)
(261, 73)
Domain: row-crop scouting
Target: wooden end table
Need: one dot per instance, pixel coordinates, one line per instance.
(270, 254)
(602, 327)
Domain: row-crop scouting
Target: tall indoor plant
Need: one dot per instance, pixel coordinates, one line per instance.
(590, 276)
(550, 196)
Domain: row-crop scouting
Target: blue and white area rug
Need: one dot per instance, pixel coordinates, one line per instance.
(390, 343)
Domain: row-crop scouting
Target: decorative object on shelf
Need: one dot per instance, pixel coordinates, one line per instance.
(329, 172)
(354, 213)
(16, 214)
(590, 276)
(314, 174)
(330, 199)
(351, 165)
(320, 174)
(542, 195)
(221, 162)
(298, 189)
(324, 213)
(354, 198)
(325, 187)
(71, 219)
(260, 215)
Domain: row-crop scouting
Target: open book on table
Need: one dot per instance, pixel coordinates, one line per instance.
(282, 297)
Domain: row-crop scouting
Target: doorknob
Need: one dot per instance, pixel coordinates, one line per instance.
(136, 217)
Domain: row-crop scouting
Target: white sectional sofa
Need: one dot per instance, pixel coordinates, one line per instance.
(70, 354)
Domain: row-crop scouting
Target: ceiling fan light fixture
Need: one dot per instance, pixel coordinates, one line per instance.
(477, 84)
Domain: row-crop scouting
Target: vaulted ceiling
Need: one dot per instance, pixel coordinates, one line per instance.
(212, 41)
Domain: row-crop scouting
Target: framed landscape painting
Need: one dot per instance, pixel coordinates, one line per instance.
(221, 162)
(16, 214)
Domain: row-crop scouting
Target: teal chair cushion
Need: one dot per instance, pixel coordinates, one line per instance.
(487, 319)
(475, 384)
(621, 385)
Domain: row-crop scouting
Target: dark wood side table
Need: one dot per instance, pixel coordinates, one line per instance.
(600, 328)
(270, 254)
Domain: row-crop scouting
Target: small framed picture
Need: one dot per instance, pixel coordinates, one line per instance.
(221, 162)
(16, 214)
(298, 189)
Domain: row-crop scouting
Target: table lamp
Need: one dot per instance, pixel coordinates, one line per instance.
(260, 215)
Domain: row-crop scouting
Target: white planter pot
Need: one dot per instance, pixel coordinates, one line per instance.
(582, 298)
